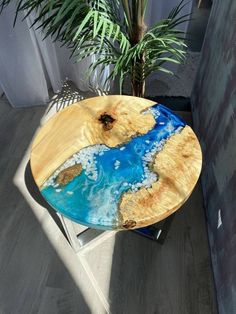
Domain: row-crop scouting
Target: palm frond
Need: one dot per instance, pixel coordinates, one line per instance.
(98, 27)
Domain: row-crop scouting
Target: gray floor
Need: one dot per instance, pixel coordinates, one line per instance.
(118, 273)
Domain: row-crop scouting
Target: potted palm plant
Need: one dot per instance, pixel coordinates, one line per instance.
(114, 31)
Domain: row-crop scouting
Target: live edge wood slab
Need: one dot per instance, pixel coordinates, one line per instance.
(116, 162)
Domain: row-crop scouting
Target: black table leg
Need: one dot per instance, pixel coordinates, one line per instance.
(157, 232)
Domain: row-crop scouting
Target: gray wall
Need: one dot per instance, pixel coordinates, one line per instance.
(214, 113)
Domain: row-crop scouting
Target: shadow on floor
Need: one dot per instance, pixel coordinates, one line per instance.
(33, 278)
(174, 278)
(37, 196)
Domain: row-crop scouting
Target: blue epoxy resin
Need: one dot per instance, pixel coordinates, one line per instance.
(92, 198)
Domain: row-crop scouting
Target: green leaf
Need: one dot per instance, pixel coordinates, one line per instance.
(104, 28)
(169, 59)
(84, 22)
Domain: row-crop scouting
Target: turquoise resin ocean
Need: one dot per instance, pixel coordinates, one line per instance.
(92, 198)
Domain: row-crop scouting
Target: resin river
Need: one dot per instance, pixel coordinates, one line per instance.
(92, 197)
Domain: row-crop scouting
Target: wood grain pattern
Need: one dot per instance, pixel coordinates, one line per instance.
(178, 165)
(78, 126)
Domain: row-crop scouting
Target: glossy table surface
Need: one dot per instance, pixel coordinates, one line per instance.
(116, 162)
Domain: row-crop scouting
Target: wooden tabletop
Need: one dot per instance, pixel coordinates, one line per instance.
(116, 162)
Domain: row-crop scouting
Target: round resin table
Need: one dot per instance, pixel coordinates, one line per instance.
(116, 162)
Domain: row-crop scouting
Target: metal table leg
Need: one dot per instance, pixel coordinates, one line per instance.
(157, 232)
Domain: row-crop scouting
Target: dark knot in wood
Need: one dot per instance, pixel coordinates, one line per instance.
(107, 121)
(128, 224)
